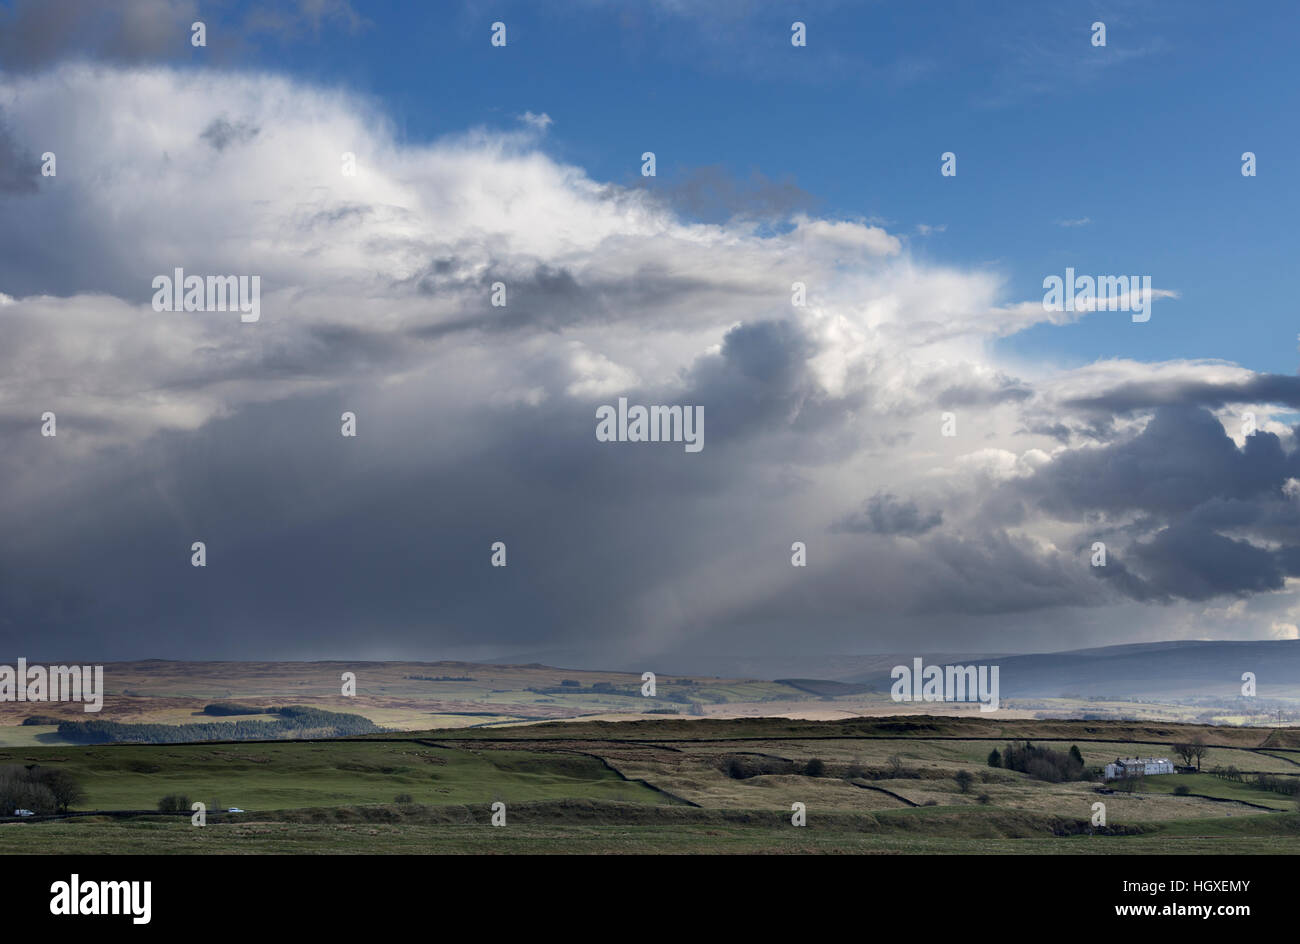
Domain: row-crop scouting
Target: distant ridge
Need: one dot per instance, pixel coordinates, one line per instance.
(1184, 668)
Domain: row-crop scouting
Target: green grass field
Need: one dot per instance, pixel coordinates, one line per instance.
(272, 776)
(1206, 785)
(30, 735)
(376, 830)
(909, 785)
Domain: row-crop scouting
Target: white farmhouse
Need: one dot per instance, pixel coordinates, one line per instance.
(1135, 766)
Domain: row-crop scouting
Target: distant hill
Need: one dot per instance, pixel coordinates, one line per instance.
(1179, 681)
(824, 686)
(1184, 669)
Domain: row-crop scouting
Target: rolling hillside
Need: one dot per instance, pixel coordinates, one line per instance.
(1181, 670)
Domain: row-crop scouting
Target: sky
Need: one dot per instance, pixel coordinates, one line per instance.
(1171, 441)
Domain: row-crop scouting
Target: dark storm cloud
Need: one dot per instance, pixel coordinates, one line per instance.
(310, 535)
(1124, 581)
(884, 513)
(385, 539)
(544, 298)
(1210, 513)
(548, 298)
(332, 352)
(1141, 395)
(1058, 431)
(996, 572)
(1270, 516)
(553, 298)
(1194, 563)
(937, 587)
(1006, 390)
(1188, 562)
(1181, 459)
(761, 381)
(19, 168)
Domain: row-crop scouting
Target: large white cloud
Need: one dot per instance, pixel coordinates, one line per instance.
(376, 293)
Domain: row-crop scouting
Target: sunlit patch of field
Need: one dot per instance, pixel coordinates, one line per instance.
(271, 776)
(1290, 759)
(30, 735)
(1211, 786)
(400, 695)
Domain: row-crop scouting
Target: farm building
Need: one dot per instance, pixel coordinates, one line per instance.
(1136, 766)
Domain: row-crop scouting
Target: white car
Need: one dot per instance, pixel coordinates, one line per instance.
(23, 813)
(234, 809)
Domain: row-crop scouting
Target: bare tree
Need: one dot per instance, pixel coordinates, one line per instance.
(1191, 752)
(65, 787)
(36, 788)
